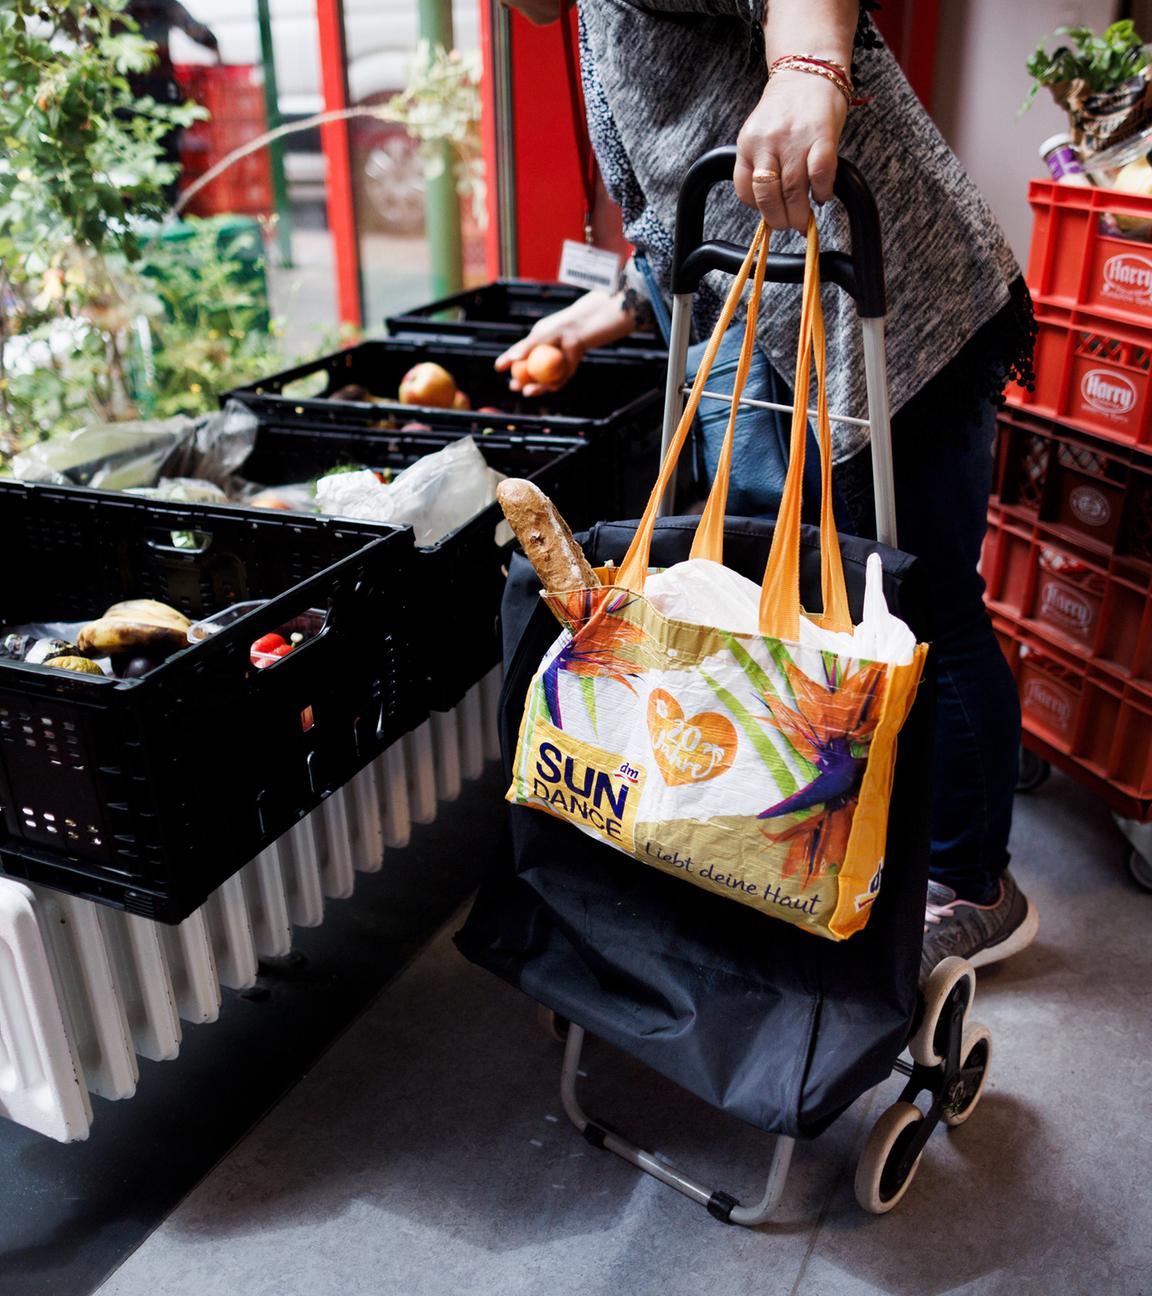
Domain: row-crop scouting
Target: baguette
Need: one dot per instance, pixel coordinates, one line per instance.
(547, 542)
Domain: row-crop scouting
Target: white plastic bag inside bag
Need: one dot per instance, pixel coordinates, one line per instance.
(434, 496)
(702, 592)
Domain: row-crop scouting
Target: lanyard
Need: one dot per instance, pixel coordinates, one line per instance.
(579, 122)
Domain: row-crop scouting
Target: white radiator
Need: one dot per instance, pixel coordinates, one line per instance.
(85, 988)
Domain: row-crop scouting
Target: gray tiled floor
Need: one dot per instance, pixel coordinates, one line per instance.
(424, 1156)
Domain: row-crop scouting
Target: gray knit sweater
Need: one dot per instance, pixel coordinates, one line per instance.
(666, 80)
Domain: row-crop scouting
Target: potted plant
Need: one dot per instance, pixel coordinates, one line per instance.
(1102, 82)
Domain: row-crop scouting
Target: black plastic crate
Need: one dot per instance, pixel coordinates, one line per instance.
(458, 582)
(149, 793)
(503, 312)
(615, 401)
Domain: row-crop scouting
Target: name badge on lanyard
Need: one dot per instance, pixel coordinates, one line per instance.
(588, 267)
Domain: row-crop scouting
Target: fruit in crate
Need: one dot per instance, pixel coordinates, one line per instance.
(138, 627)
(354, 392)
(37, 652)
(266, 650)
(81, 664)
(547, 365)
(428, 384)
(133, 667)
(461, 402)
(42, 651)
(1132, 177)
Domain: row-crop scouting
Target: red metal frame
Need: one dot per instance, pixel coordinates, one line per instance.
(334, 135)
(549, 191)
(910, 28)
(488, 141)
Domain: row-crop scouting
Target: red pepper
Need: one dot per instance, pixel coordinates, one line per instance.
(268, 643)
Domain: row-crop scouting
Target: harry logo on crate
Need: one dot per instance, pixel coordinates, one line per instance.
(1108, 392)
(1090, 506)
(1039, 697)
(1063, 606)
(1128, 277)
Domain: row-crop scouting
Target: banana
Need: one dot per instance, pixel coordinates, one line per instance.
(111, 635)
(148, 611)
(135, 626)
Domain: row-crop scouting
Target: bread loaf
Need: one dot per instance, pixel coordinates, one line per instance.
(547, 542)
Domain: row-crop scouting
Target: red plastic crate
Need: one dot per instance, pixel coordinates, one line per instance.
(1077, 489)
(1070, 599)
(1092, 373)
(1092, 248)
(235, 98)
(1096, 722)
(234, 93)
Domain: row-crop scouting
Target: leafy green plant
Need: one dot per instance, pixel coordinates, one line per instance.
(1103, 62)
(81, 168)
(208, 322)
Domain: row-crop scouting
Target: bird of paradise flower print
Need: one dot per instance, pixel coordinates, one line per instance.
(828, 725)
(603, 645)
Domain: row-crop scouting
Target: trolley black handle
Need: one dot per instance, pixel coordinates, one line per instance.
(859, 272)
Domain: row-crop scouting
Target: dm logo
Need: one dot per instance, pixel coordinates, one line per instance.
(1108, 392)
(1128, 277)
(1090, 506)
(1039, 697)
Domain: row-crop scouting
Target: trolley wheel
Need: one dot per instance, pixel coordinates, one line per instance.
(879, 1184)
(964, 1089)
(1140, 869)
(1034, 771)
(551, 1023)
(928, 1043)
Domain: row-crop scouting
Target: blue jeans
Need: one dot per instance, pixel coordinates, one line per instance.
(943, 470)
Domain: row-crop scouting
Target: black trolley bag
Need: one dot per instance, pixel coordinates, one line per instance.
(758, 1018)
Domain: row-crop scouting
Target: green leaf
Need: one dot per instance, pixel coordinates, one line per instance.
(588, 690)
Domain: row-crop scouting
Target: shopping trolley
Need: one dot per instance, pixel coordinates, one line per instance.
(612, 948)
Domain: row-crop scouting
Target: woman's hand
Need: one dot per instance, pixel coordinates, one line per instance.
(591, 320)
(788, 145)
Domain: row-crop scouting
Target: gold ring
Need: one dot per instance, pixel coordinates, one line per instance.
(766, 176)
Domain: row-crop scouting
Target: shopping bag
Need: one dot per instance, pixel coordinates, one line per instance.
(757, 765)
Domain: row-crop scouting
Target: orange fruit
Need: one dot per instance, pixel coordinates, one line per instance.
(520, 371)
(547, 365)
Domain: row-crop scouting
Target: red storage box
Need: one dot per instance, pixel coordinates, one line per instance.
(1095, 495)
(1069, 599)
(235, 98)
(1092, 248)
(234, 93)
(1088, 721)
(1092, 373)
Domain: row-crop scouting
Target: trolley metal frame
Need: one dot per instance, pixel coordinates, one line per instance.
(860, 273)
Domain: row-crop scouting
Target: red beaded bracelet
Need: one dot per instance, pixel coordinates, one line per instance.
(831, 71)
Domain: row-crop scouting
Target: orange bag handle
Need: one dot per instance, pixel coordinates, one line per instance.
(709, 539)
(634, 568)
(780, 594)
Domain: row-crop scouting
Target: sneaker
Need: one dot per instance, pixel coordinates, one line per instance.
(980, 933)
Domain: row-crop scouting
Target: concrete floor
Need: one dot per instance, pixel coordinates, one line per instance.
(427, 1155)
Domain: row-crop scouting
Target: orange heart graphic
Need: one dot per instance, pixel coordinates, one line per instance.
(688, 750)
